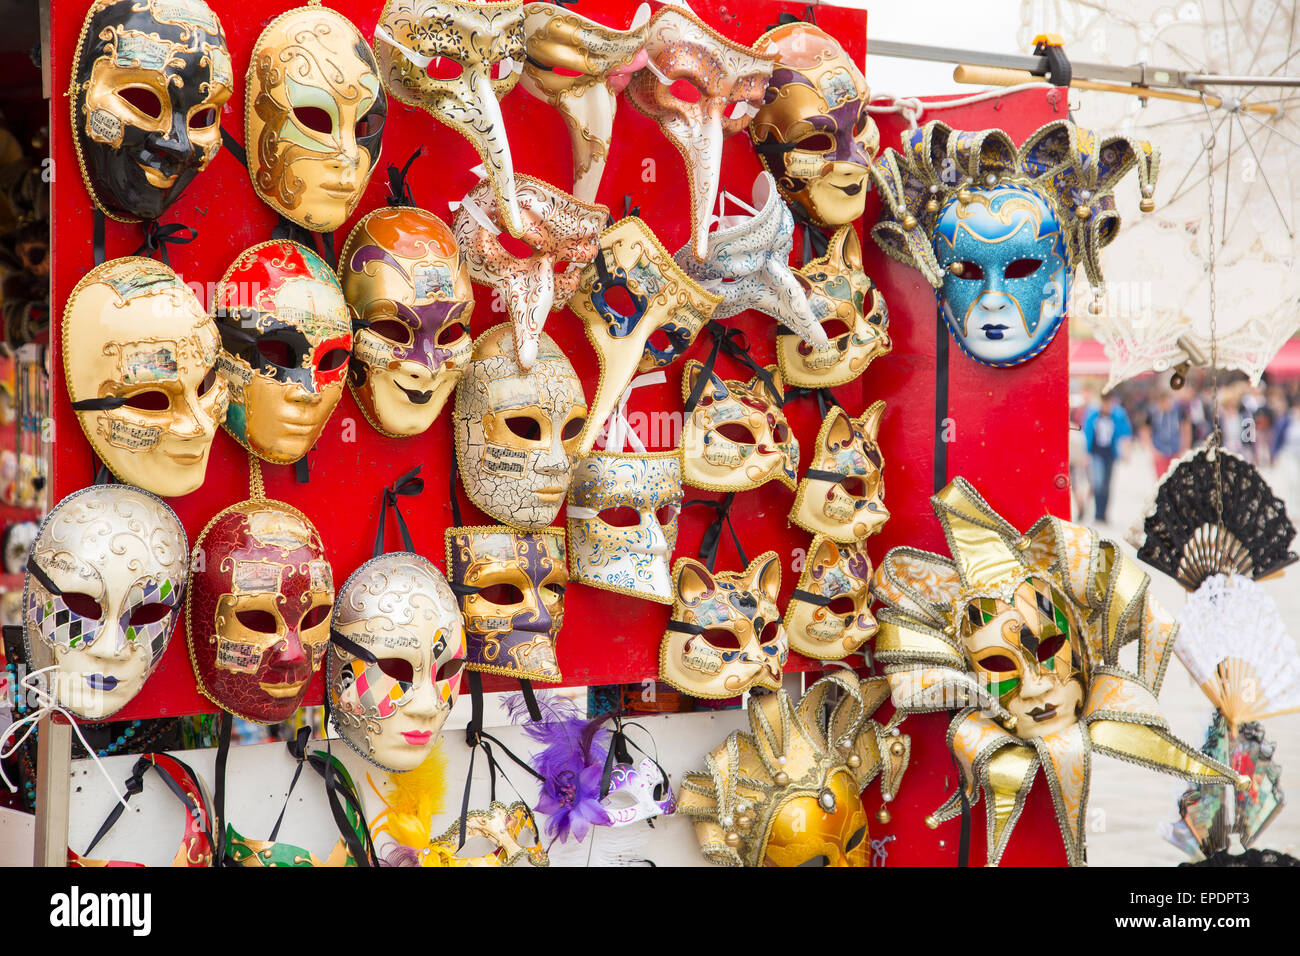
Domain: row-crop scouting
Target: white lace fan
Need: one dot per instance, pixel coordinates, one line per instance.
(1236, 647)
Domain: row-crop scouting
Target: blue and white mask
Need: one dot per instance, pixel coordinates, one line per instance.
(1005, 274)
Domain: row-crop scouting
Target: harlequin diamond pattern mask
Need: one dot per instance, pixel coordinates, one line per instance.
(579, 67)
(517, 432)
(736, 436)
(456, 60)
(287, 338)
(850, 310)
(139, 356)
(842, 494)
(563, 233)
(813, 131)
(258, 613)
(400, 609)
(725, 634)
(105, 579)
(699, 87)
(410, 301)
(622, 519)
(148, 84)
(314, 115)
(512, 586)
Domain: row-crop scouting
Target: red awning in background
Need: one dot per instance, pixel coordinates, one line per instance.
(1088, 358)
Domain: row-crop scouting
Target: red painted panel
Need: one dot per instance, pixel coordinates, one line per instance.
(1007, 436)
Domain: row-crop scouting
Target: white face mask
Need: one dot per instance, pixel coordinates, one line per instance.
(637, 793)
(747, 262)
(622, 518)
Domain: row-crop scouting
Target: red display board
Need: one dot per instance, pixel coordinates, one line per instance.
(1006, 428)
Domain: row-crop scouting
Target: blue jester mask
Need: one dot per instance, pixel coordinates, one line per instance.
(1004, 273)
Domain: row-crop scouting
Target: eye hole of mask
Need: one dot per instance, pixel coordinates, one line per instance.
(770, 632)
(314, 118)
(529, 429)
(1022, 268)
(861, 123)
(399, 669)
(659, 340)
(203, 118)
(503, 594)
(619, 300)
(443, 68)
(333, 359)
(970, 270)
(502, 69)
(477, 846)
(1050, 647)
(82, 605)
(148, 614)
(780, 432)
(854, 486)
(275, 352)
(835, 328)
(151, 400)
(854, 841)
(666, 514)
(720, 639)
(842, 606)
(526, 837)
(736, 432)
(552, 593)
(560, 266)
(515, 246)
(369, 125)
(451, 333)
(399, 333)
(209, 381)
(621, 517)
(450, 669)
(817, 143)
(573, 428)
(314, 617)
(142, 100)
(685, 90)
(821, 860)
(998, 664)
(566, 72)
(263, 622)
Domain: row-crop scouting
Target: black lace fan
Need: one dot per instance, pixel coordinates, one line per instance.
(1182, 534)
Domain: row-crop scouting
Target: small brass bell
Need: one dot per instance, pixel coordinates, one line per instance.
(909, 222)
(854, 761)
(883, 815)
(744, 820)
(897, 748)
(1083, 212)
(932, 205)
(1147, 204)
(733, 840)
(931, 822)
(956, 268)
(1022, 542)
(963, 195)
(782, 779)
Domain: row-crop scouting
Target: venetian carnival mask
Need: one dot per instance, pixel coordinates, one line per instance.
(314, 117)
(148, 84)
(637, 793)
(842, 494)
(17, 542)
(284, 325)
(258, 614)
(829, 615)
(736, 437)
(139, 357)
(563, 234)
(517, 432)
(105, 579)
(747, 262)
(498, 836)
(579, 67)
(456, 59)
(725, 634)
(813, 131)
(512, 596)
(399, 608)
(788, 793)
(998, 231)
(622, 519)
(852, 313)
(699, 87)
(632, 294)
(410, 301)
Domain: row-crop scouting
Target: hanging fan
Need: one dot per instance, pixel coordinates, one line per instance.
(1183, 536)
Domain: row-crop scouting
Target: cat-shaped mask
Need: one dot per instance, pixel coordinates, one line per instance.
(842, 494)
(735, 436)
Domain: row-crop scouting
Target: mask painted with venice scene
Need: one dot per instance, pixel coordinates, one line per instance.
(148, 85)
(829, 615)
(736, 436)
(410, 301)
(842, 494)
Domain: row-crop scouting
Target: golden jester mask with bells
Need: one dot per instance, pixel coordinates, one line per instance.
(829, 615)
(455, 60)
(632, 293)
(314, 117)
(1024, 632)
(999, 231)
(105, 580)
(517, 431)
(725, 634)
(287, 338)
(851, 311)
(139, 356)
(842, 494)
(579, 67)
(410, 301)
(561, 235)
(788, 793)
(699, 87)
(622, 520)
(390, 700)
(149, 81)
(813, 131)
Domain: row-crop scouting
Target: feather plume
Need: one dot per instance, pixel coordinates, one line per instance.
(412, 801)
